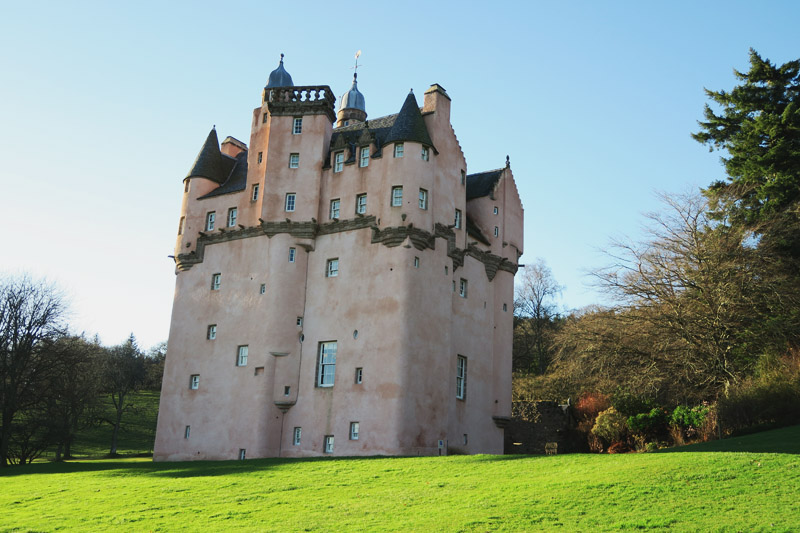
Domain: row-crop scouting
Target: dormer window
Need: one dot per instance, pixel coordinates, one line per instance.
(363, 160)
(297, 127)
(398, 150)
(338, 161)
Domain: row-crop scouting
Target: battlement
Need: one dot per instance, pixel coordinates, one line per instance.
(305, 100)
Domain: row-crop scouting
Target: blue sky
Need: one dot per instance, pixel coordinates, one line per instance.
(104, 106)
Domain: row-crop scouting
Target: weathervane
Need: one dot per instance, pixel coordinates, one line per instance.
(355, 68)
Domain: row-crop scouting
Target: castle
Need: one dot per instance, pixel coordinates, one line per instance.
(343, 287)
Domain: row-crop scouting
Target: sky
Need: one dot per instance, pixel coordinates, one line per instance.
(104, 106)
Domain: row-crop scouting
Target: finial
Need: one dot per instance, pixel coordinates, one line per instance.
(214, 127)
(508, 162)
(281, 57)
(411, 91)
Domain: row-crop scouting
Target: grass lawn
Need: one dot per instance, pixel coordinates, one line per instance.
(690, 491)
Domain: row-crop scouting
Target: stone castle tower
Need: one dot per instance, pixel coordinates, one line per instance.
(343, 286)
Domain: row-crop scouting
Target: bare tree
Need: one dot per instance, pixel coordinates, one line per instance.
(125, 373)
(535, 311)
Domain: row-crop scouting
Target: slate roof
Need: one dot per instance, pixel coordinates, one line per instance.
(409, 125)
(482, 183)
(209, 163)
(237, 177)
(279, 77)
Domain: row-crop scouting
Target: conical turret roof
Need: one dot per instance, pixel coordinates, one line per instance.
(208, 163)
(409, 125)
(279, 77)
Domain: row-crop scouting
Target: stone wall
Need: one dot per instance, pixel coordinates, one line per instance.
(534, 424)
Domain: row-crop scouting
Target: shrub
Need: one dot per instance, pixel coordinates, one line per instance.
(619, 447)
(610, 425)
(589, 405)
(689, 418)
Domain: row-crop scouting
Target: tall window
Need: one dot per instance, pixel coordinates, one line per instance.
(398, 150)
(461, 377)
(397, 196)
(458, 219)
(425, 153)
(216, 279)
(232, 213)
(326, 368)
(338, 161)
(361, 204)
(211, 333)
(194, 381)
(211, 217)
(260, 157)
(496, 231)
(423, 199)
(254, 196)
(463, 177)
(187, 431)
(462, 288)
(180, 225)
(335, 208)
(363, 159)
(292, 254)
(297, 433)
(297, 127)
(359, 375)
(332, 269)
(294, 160)
(290, 200)
(353, 430)
(241, 356)
(328, 444)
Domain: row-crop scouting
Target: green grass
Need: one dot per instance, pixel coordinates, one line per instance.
(691, 491)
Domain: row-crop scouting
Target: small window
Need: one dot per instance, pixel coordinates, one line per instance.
(462, 288)
(259, 371)
(454, 285)
(187, 431)
(505, 307)
(328, 444)
(363, 160)
(242, 453)
(457, 223)
(423, 199)
(463, 177)
(425, 153)
(211, 217)
(332, 269)
(294, 160)
(297, 127)
(241, 356)
(216, 279)
(338, 161)
(361, 204)
(461, 377)
(263, 288)
(232, 214)
(495, 210)
(194, 381)
(299, 322)
(290, 200)
(397, 196)
(292, 254)
(297, 433)
(335, 203)
(326, 368)
(416, 262)
(466, 439)
(260, 157)
(398, 150)
(353, 430)
(264, 118)
(186, 186)
(254, 195)
(359, 375)
(180, 225)
(287, 390)
(496, 231)
(211, 332)
(445, 270)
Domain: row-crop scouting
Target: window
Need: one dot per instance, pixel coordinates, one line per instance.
(259, 371)
(187, 431)
(398, 150)
(290, 199)
(397, 196)
(359, 375)
(297, 127)
(180, 225)
(361, 204)
(326, 369)
(496, 231)
(457, 223)
(299, 322)
(335, 208)
(264, 118)
(423, 199)
(292, 254)
(416, 262)
(495, 210)
(461, 377)
(216, 279)
(241, 356)
(211, 216)
(353, 430)
(211, 333)
(260, 157)
(462, 288)
(363, 160)
(332, 269)
(466, 439)
(294, 160)
(287, 390)
(328, 444)
(463, 177)
(254, 195)
(242, 453)
(297, 433)
(232, 213)
(263, 288)
(194, 382)
(425, 153)
(338, 161)
(505, 307)
(186, 186)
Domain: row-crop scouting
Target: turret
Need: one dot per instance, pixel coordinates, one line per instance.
(351, 107)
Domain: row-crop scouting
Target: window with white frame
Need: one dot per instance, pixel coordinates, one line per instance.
(211, 332)
(232, 214)
(187, 431)
(242, 453)
(299, 322)
(495, 210)
(263, 288)
(180, 225)
(338, 161)
(211, 218)
(496, 231)
(363, 159)
(194, 381)
(328, 448)
(361, 204)
(326, 367)
(425, 153)
(457, 222)
(335, 203)
(354, 430)
(290, 201)
(423, 199)
(292, 254)
(397, 196)
(461, 377)
(398, 150)
(416, 262)
(241, 356)
(216, 280)
(297, 127)
(332, 268)
(254, 195)
(294, 160)
(359, 375)
(298, 431)
(462, 288)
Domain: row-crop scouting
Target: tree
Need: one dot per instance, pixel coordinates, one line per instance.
(31, 317)
(124, 373)
(535, 317)
(154, 363)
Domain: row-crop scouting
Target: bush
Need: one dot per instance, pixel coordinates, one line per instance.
(610, 425)
(648, 423)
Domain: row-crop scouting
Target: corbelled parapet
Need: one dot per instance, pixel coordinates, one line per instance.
(308, 100)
